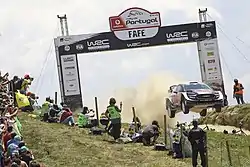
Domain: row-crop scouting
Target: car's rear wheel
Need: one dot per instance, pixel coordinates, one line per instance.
(203, 112)
(170, 110)
(218, 109)
(184, 106)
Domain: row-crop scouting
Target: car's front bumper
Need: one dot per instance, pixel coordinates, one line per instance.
(204, 104)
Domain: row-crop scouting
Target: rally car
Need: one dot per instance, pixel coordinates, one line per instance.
(193, 96)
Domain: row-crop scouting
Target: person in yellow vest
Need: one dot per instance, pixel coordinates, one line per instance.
(45, 109)
(26, 82)
(114, 114)
(238, 92)
(177, 142)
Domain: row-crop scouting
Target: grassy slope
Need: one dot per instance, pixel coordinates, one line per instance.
(57, 145)
(231, 115)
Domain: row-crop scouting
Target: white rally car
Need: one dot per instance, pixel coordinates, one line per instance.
(195, 96)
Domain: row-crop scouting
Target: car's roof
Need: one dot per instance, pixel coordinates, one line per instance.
(191, 82)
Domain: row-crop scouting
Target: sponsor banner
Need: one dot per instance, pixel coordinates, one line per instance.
(135, 23)
(133, 18)
(70, 75)
(136, 33)
(136, 38)
(209, 55)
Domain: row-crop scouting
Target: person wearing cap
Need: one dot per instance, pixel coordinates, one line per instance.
(114, 115)
(238, 91)
(26, 82)
(26, 155)
(15, 140)
(12, 148)
(197, 137)
(151, 131)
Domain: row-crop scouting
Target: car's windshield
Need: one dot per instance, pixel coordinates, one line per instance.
(196, 86)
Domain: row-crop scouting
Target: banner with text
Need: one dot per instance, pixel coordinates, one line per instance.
(209, 54)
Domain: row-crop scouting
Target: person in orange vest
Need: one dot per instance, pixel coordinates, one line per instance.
(238, 92)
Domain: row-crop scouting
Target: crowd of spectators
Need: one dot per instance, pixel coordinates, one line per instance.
(14, 98)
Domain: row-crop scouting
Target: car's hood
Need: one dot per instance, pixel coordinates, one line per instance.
(203, 91)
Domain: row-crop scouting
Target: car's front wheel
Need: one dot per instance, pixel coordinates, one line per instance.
(184, 106)
(170, 110)
(218, 109)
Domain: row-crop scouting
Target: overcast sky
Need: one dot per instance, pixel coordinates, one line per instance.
(27, 28)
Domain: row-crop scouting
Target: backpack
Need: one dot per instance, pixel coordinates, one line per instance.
(18, 84)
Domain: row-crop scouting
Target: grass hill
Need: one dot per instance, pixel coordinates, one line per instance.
(231, 115)
(57, 145)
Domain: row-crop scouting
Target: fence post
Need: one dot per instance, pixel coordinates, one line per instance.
(249, 150)
(229, 154)
(221, 153)
(239, 160)
(55, 97)
(206, 149)
(96, 111)
(121, 105)
(134, 118)
(165, 130)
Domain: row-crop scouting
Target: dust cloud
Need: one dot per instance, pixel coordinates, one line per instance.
(148, 98)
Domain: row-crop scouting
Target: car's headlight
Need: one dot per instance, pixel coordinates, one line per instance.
(217, 95)
(192, 95)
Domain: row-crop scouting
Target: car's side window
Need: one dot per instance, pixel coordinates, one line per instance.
(174, 89)
(178, 88)
(181, 88)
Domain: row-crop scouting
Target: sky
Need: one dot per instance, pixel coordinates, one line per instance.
(27, 29)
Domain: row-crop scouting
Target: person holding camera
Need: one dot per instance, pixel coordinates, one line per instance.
(150, 134)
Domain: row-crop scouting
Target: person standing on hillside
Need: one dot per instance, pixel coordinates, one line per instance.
(114, 114)
(238, 92)
(197, 138)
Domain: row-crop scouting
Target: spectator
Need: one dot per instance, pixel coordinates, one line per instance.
(13, 151)
(67, 116)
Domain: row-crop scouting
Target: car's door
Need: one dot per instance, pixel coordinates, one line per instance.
(180, 89)
(173, 94)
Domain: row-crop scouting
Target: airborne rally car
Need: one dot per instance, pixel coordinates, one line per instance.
(195, 96)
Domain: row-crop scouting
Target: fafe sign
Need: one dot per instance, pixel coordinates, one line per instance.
(135, 23)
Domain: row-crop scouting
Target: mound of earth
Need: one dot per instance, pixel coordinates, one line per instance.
(230, 115)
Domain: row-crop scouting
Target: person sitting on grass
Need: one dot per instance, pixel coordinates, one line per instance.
(82, 120)
(67, 116)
